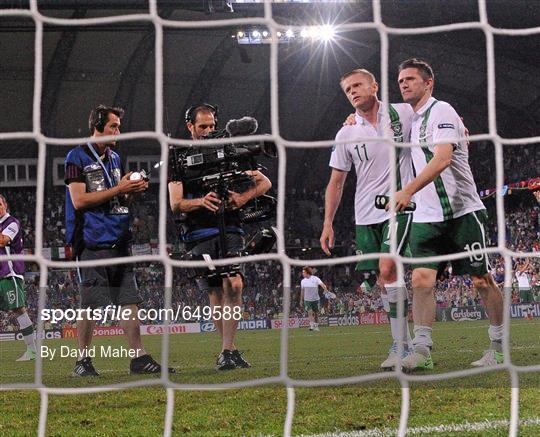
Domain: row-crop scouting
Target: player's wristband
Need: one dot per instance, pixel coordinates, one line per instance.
(382, 201)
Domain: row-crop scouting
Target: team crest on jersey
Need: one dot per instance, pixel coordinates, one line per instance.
(397, 128)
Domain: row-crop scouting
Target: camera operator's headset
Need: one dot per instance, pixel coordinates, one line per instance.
(190, 113)
(99, 118)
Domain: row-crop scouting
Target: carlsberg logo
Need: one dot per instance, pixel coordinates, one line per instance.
(458, 314)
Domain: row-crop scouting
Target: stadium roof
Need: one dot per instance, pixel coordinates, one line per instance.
(114, 64)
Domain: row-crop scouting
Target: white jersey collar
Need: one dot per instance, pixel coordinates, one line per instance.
(3, 219)
(363, 121)
(359, 119)
(424, 108)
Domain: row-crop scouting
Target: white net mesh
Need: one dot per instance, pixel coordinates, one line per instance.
(286, 262)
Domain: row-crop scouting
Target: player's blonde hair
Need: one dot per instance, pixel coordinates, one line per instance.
(358, 71)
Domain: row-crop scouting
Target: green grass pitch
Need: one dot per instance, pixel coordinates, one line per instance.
(332, 353)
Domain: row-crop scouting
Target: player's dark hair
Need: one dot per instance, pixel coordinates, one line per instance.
(100, 115)
(422, 66)
(308, 270)
(192, 111)
(4, 199)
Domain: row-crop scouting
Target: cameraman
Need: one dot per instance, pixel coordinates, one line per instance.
(202, 234)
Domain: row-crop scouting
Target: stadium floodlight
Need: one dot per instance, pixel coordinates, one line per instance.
(326, 33)
(313, 32)
(290, 1)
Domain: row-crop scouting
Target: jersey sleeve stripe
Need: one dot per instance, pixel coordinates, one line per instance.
(448, 214)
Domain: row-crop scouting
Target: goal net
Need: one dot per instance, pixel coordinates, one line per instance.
(283, 145)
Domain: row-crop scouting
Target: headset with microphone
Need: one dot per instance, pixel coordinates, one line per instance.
(100, 116)
(191, 112)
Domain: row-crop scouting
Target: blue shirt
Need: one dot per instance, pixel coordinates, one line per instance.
(101, 226)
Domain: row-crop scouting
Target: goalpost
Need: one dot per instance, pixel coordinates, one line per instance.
(287, 262)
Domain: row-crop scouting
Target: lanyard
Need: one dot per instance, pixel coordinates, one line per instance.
(101, 163)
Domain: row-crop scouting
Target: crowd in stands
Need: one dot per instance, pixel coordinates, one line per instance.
(263, 295)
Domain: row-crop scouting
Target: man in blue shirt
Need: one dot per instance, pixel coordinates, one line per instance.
(97, 226)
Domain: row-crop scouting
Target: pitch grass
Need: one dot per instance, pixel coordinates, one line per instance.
(333, 352)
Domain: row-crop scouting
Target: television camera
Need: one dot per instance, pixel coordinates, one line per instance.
(222, 169)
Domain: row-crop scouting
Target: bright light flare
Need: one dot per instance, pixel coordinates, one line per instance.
(326, 32)
(313, 32)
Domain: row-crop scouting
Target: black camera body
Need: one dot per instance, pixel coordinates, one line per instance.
(187, 163)
(221, 169)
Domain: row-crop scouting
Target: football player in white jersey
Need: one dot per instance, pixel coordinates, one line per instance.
(449, 216)
(372, 166)
(523, 280)
(309, 294)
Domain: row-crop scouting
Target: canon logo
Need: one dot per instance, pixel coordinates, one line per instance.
(154, 330)
(158, 329)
